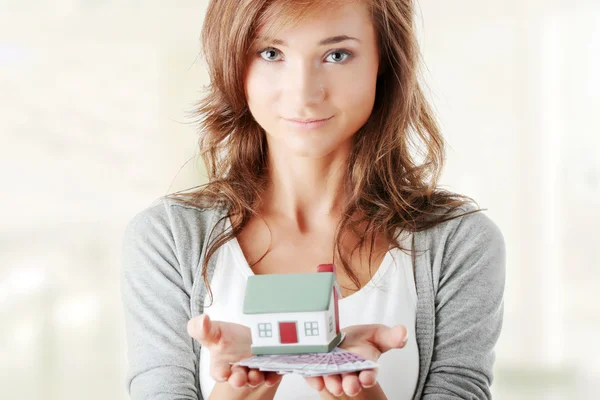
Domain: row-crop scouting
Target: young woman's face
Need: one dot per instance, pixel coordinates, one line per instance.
(296, 77)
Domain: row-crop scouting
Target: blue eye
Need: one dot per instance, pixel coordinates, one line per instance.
(268, 49)
(342, 52)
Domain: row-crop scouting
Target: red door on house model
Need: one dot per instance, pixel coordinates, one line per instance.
(288, 332)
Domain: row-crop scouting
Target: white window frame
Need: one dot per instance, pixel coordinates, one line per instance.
(311, 328)
(265, 329)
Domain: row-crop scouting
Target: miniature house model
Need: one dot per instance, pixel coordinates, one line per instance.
(293, 313)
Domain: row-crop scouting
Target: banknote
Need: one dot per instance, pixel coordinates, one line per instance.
(336, 361)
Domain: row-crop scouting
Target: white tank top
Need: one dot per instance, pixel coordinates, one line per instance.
(390, 298)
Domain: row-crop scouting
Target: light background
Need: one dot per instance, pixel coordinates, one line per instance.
(93, 128)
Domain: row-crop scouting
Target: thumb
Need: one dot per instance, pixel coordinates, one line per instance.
(204, 330)
(387, 338)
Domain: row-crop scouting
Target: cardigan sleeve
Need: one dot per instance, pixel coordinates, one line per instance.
(469, 309)
(156, 305)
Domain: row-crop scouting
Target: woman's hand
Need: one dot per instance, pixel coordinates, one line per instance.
(369, 341)
(227, 343)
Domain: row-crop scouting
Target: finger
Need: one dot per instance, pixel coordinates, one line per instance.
(333, 383)
(386, 338)
(255, 378)
(351, 384)
(368, 378)
(238, 377)
(220, 371)
(315, 382)
(272, 378)
(204, 330)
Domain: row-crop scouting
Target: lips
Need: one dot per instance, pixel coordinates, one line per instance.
(308, 124)
(306, 121)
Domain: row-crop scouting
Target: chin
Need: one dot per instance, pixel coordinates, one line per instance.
(310, 144)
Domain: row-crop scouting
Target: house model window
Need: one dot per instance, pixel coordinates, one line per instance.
(331, 323)
(311, 328)
(264, 330)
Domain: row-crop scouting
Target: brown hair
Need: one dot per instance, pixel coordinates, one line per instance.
(390, 190)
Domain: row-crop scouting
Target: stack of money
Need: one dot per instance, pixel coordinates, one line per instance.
(336, 361)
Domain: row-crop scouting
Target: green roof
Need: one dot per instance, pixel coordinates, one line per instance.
(275, 293)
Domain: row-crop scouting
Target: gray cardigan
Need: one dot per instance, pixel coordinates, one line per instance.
(459, 278)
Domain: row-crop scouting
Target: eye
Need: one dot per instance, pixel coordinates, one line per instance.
(270, 51)
(342, 55)
(270, 54)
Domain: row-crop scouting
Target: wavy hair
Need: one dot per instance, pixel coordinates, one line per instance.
(389, 188)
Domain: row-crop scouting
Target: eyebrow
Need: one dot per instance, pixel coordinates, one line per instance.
(324, 42)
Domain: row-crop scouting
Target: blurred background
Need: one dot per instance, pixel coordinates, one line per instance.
(94, 126)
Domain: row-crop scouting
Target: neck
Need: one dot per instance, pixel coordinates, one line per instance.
(306, 192)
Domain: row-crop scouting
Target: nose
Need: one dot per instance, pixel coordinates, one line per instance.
(305, 84)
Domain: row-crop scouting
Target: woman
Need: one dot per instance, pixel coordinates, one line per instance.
(307, 130)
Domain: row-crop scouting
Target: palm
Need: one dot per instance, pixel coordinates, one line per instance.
(228, 343)
(232, 342)
(370, 341)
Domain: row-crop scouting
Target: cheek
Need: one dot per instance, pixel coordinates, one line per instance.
(259, 94)
(357, 99)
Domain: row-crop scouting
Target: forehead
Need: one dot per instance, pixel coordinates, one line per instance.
(314, 20)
